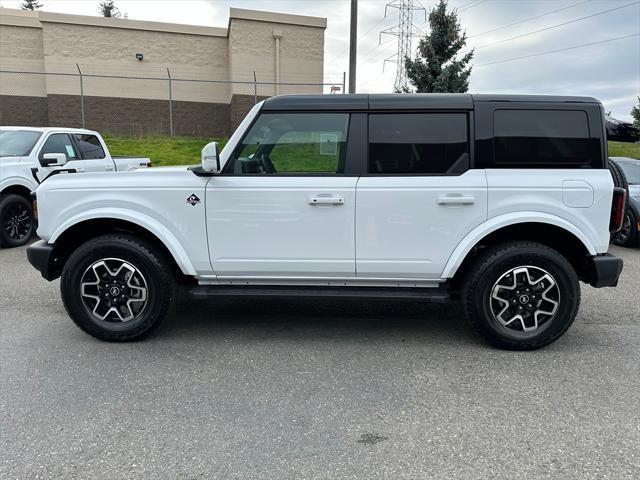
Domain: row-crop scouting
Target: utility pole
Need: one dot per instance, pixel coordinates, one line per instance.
(353, 46)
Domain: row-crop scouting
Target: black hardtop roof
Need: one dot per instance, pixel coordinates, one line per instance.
(406, 101)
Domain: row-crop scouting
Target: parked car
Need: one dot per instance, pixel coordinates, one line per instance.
(29, 155)
(629, 235)
(505, 202)
(621, 131)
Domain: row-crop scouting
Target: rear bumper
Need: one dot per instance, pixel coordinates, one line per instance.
(605, 271)
(42, 256)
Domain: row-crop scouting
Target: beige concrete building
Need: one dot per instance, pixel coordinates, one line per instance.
(212, 69)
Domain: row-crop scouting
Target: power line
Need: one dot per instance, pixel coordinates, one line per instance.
(468, 6)
(555, 26)
(529, 19)
(364, 34)
(558, 50)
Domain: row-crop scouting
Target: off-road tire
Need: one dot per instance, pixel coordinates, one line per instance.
(7, 204)
(141, 254)
(491, 265)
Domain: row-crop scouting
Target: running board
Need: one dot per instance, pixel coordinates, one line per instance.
(433, 295)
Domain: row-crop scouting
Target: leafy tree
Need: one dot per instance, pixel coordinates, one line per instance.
(437, 68)
(635, 113)
(30, 5)
(108, 9)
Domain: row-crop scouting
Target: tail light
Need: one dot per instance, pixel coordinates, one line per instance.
(617, 209)
(34, 209)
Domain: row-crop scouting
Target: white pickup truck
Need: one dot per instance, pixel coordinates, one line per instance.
(505, 202)
(29, 155)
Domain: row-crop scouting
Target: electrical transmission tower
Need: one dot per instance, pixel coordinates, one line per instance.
(405, 30)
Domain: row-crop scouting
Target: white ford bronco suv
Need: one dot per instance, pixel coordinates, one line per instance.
(503, 202)
(28, 155)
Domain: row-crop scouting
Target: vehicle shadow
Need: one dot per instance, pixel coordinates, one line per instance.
(321, 318)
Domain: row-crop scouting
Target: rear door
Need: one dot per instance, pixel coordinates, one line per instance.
(284, 206)
(93, 153)
(420, 197)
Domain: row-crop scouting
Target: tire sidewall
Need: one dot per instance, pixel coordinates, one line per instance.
(134, 329)
(569, 299)
(5, 203)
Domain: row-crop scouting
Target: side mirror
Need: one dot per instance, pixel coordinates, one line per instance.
(54, 159)
(210, 158)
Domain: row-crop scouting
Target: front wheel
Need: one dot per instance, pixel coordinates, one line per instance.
(117, 287)
(521, 295)
(16, 220)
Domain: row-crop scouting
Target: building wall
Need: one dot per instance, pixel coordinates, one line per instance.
(57, 43)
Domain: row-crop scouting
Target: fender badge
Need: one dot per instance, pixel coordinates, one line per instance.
(193, 199)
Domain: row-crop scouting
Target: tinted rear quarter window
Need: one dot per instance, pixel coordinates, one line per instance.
(527, 138)
(416, 143)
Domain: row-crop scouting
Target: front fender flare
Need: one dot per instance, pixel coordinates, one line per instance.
(17, 181)
(148, 223)
(496, 223)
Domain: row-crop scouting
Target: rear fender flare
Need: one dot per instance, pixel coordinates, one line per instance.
(481, 231)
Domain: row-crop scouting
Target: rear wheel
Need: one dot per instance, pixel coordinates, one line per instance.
(16, 221)
(117, 287)
(521, 295)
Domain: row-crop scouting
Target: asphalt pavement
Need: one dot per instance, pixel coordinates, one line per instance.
(252, 389)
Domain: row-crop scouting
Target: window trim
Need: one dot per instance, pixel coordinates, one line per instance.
(537, 165)
(73, 143)
(229, 166)
(470, 141)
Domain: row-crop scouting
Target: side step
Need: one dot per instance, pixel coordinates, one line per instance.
(433, 295)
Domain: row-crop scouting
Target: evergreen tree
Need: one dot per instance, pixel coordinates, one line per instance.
(30, 5)
(108, 9)
(635, 113)
(437, 68)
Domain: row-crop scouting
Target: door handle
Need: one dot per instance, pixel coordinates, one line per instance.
(108, 168)
(456, 200)
(325, 200)
(80, 170)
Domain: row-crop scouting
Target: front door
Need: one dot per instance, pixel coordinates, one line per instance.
(63, 143)
(283, 207)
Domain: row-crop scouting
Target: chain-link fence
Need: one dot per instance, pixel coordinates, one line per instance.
(138, 106)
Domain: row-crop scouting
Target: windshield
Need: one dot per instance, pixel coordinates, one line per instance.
(632, 171)
(17, 143)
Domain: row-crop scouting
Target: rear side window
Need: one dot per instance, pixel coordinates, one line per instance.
(417, 143)
(90, 147)
(527, 138)
(59, 143)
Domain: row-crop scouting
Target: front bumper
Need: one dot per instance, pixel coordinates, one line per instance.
(605, 270)
(42, 256)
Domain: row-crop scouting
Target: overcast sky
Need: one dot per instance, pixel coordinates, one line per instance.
(609, 71)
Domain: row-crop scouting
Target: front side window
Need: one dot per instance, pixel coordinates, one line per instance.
(293, 143)
(418, 143)
(541, 137)
(17, 143)
(90, 147)
(59, 143)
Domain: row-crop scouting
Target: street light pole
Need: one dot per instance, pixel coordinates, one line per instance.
(353, 46)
